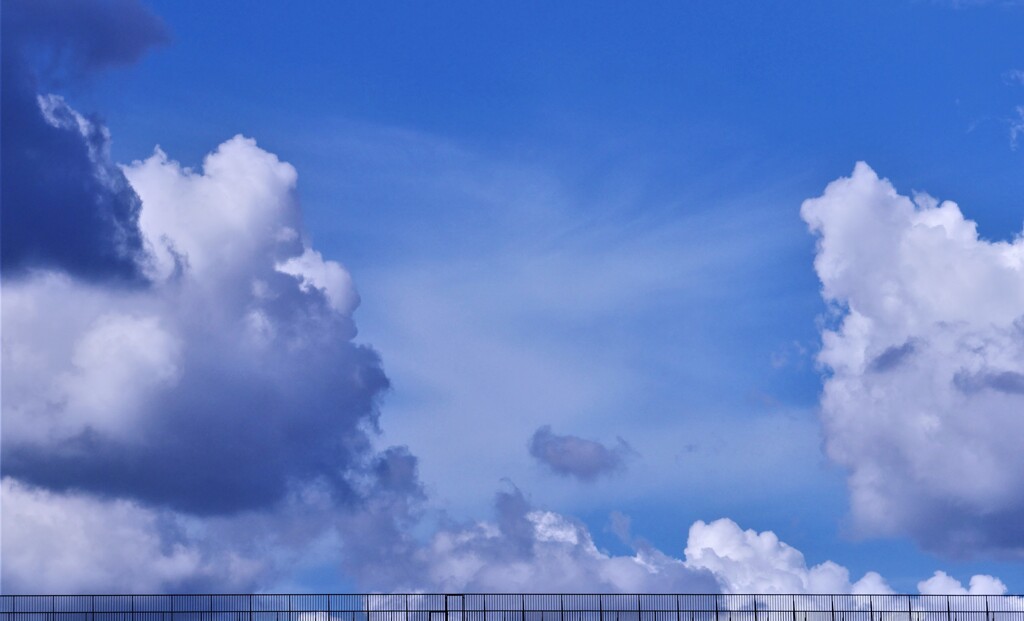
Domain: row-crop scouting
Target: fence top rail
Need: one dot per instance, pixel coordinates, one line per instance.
(860, 596)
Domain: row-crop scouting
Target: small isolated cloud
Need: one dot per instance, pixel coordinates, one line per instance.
(1017, 127)
(1015, 76)
(572, 456)
(925, 365)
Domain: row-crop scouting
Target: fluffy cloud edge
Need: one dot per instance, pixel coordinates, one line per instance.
(923, 364)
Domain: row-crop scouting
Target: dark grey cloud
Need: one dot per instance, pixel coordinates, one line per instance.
(577, 457)
(218, 388)
(65, 204)
(891, 357)
(234, 431)
(74, 37)
(1009, 382)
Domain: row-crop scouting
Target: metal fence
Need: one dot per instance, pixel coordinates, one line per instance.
(511, 607)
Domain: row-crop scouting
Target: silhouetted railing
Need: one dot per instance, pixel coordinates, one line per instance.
(511, 607)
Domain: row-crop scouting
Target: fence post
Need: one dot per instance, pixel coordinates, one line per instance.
(949, 613)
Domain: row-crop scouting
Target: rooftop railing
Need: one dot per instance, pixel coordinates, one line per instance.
(511, 607)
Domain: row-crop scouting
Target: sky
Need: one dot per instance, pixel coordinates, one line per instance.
(480, 296)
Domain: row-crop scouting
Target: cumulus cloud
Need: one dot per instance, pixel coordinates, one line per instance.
(746, 561)
(213, 427)
(572, 456)
(923, 395)
(531, 550)
(942, 583)
(66, 205)
(214, 388)
(77, 543)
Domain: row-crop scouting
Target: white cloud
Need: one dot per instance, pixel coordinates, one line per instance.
(219, 221)
(526, 549)
(1017, 127)
(116, 366)
(942, 583)
(746, 561)
(76, 543)
(136, 397)
(531, 550)
(224, 383)
(327, 276)
(925, 365)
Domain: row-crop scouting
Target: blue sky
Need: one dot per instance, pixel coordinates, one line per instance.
(582, 216)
